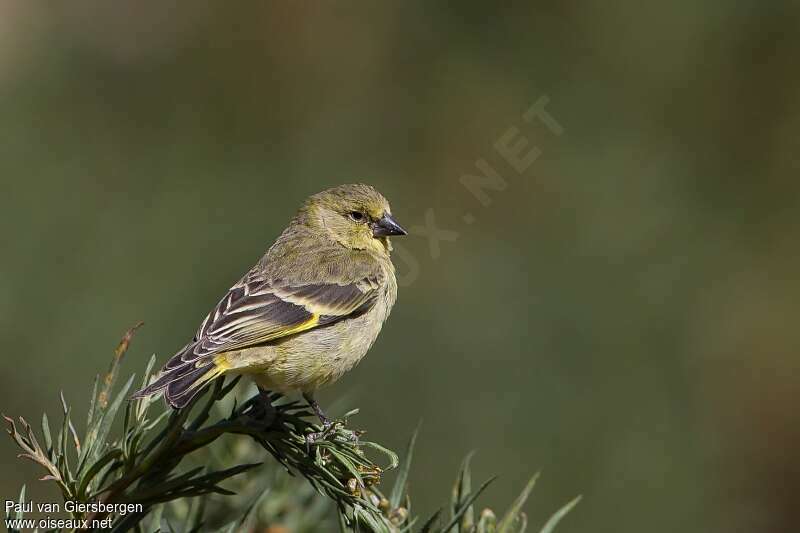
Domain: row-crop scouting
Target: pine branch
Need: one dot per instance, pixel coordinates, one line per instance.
(146, 475)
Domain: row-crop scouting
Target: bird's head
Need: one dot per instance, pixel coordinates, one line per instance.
(356, 216)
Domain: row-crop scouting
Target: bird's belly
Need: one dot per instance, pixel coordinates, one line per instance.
(317, 357)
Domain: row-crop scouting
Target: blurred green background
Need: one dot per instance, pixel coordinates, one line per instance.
(622, 316)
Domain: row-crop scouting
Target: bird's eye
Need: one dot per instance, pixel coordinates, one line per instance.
(357, 216)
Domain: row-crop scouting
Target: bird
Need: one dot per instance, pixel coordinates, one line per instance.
(307, 312)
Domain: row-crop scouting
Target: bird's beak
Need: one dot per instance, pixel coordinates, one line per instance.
(387, 226)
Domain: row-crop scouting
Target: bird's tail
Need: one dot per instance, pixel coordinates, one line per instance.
(180, 381)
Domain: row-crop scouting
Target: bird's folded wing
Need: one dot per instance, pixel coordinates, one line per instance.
(256, 312)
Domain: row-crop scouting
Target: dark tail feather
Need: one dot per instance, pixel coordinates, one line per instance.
(180, 384)
(180, 391)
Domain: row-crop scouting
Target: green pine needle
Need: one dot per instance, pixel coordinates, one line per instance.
(203, 454)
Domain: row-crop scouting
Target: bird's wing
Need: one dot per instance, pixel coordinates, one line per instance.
(255, 312)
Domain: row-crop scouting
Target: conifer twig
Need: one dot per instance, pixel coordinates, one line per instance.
(145, 468)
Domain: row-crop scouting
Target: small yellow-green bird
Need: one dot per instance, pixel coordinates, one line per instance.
(307, 312)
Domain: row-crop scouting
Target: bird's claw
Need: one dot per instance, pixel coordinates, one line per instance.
(330, 427)
(314, 437)
(262, 410)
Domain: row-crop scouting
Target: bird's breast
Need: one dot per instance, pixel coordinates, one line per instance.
(321, 356)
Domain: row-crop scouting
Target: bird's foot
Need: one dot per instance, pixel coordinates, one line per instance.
(262, 410)
(312, 438)
(332, 428)
(329, 427)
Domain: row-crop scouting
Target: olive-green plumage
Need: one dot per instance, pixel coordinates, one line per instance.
(308, 311)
